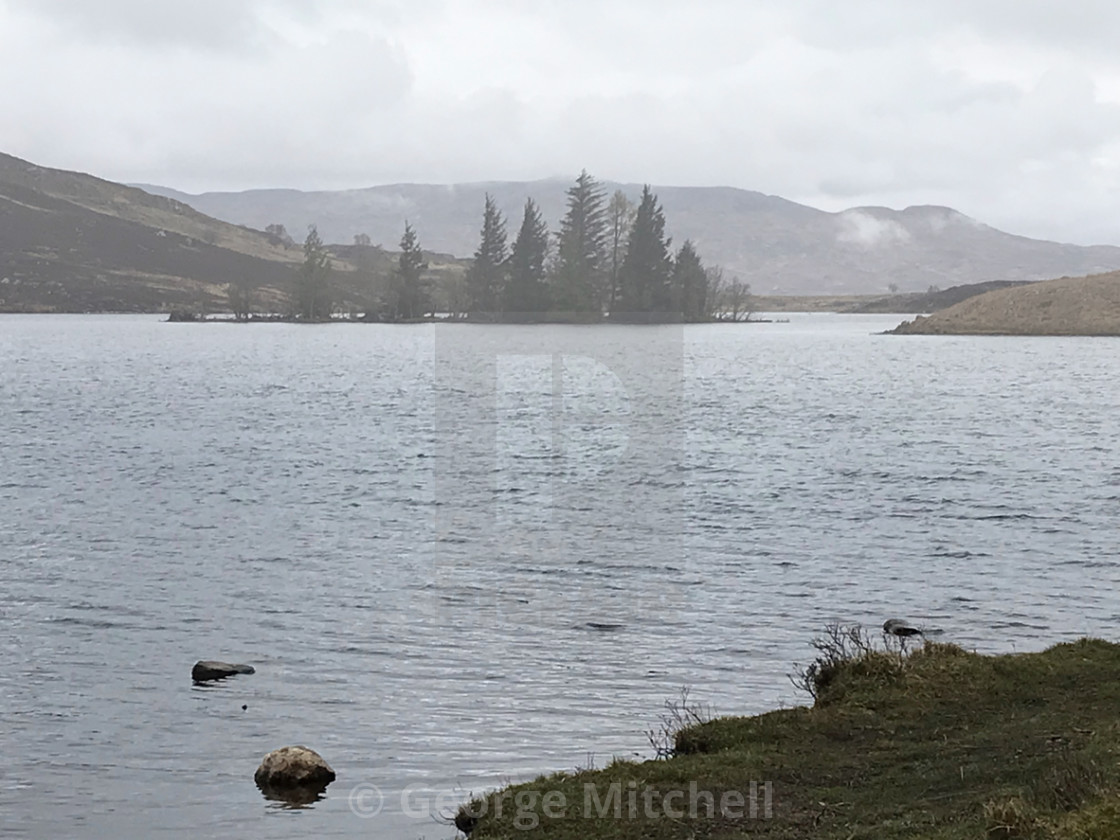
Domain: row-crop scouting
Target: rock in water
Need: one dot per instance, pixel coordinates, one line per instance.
(207, 670)
(290, 768)
(898, 627)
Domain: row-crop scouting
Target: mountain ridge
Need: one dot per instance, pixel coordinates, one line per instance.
(777, 245)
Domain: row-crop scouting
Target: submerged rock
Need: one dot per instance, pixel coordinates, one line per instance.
(293, 772)
(208, 670)
(898, 627)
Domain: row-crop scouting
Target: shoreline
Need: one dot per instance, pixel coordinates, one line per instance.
(926, 741)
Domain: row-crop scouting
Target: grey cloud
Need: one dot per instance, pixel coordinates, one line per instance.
(830, 104)
(206, 24)
(858, 24)
(1087, 24)
(200, 23)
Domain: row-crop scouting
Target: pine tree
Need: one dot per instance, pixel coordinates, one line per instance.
(645, 288)
(486, 277)
(620, 216)
(579, 276)
(313, 294)
(526, 291)
(690, 283)
(413, 298)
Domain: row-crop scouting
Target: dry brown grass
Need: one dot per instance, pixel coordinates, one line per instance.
(1067, 306)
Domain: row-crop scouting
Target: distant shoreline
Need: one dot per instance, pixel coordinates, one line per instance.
(897, 303)
(174, 318)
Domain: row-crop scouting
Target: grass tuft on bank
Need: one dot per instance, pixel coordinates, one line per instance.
(929, 742)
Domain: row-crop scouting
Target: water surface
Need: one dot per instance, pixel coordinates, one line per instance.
(460, 555)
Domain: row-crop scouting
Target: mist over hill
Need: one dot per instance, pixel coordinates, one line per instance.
(777, 245)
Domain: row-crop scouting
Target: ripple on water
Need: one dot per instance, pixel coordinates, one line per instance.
(434, 594)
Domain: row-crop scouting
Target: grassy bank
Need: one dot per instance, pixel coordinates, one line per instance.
(937, 743)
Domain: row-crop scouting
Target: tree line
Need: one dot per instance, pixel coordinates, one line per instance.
(609, 260)
(406, 293)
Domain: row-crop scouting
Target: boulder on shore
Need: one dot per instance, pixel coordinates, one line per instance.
(293, 768)
(207, 670)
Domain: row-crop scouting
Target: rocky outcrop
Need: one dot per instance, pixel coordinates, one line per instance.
(208, 670)
(292, 771)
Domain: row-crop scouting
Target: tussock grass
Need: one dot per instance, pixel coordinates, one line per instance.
(932, 742)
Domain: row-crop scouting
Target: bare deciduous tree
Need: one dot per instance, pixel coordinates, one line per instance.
(737, 300)
(728, 299)
(240, 299)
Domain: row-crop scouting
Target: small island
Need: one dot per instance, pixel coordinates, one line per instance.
(927, 742)
(610, 261)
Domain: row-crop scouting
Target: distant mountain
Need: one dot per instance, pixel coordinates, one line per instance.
(1065, 306)
(71, 242)
(779, 246)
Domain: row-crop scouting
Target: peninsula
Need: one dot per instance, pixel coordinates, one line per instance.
(1066, 306)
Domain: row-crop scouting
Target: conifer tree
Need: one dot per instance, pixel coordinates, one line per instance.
(690, 283)
(620, 216)
(526, 290)
(486, 276)
(645, 288)
(413, 297)
(313, 294)
(579, 275)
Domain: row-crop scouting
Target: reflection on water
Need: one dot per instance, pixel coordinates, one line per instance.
(461, 556)
(293, 799)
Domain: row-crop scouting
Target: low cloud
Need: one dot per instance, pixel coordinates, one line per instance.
(858, 227)
(1009, 114)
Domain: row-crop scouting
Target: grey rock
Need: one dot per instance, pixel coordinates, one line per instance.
(293, 768)
(207, 670)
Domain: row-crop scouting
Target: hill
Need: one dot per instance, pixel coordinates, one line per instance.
(931, 301)
(1066, 306)
(779, 246)
(71, 242)
(908, 303)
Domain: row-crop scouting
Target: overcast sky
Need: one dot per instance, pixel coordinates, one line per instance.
(1008, 110)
